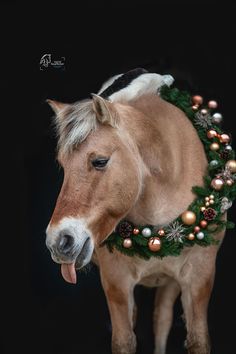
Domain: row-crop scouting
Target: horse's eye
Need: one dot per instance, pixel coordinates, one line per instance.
(100, 163)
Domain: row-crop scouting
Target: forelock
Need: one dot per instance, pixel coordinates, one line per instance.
(74, 124)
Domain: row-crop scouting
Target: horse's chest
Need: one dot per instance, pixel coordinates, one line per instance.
(154, 280)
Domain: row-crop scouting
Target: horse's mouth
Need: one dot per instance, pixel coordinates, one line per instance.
(68, 270)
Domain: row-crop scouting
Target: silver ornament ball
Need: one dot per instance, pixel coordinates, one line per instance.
(217, 118)
(213, 163)
(146, 232)
(200, 235)
(228, 148)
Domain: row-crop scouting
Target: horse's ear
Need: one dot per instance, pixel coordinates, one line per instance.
(56, 106)
(104, 110)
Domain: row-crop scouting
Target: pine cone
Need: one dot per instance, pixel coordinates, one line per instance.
(225, 154)
(209, 214)
(125, 229)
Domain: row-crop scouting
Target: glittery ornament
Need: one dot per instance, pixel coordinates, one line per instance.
(203, 120)
(154, 244)
(175, 232)
(225, 204)
(125, 229)
(209, 214)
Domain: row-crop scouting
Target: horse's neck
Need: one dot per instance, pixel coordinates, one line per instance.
(174, 155)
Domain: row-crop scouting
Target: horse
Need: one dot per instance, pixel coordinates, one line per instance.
(136, 159)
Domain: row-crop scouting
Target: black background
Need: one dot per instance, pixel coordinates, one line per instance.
(193, 41)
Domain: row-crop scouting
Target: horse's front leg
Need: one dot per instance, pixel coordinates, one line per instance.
(196, 286)
(120, 299)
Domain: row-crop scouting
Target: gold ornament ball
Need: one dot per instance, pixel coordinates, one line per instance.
(212, 104)
(211, 134)
(188, 217)
(136, 231)
(224, 138)
(154, 244)
(203, 208)
(229, 182)
(214, 146)
(197, 229)
(191, 236)
(161, 232)
(217, 183)
(127, 243)
(231, 165)
(203, 223)
(197, 99)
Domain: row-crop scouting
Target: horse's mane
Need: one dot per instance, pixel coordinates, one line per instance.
(75, 124)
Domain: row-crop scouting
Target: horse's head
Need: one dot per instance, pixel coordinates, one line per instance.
(103, 176)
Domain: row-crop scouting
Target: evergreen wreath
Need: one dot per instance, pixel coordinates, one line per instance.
(203, 218)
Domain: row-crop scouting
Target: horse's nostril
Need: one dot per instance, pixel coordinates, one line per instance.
(65, 243)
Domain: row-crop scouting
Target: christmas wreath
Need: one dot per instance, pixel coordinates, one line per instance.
(203, 218)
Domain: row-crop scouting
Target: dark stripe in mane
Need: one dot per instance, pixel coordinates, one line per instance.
(122, 81)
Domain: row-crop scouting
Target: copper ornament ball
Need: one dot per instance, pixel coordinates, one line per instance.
(211, 134)
(191, 236)
(229, 182)
(127, 243)
(224, 138)
(212, 104)
(154, 244)
(161, 232)
(188, 217)
(217, 183)
(197, 99)
(214, 146)
(204, 111)
(197, 229)
(231, 165)
(203, 223)
(136, 231)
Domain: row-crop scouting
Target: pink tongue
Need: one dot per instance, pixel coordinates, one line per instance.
(68, 272)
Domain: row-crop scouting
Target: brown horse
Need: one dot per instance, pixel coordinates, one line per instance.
(136, 159)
